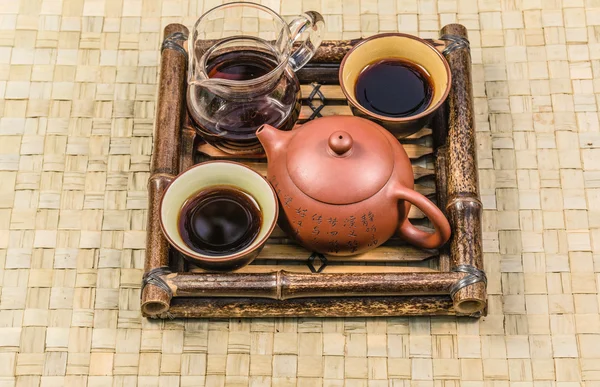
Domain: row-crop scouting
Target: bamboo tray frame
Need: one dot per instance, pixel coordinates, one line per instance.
(392, 280)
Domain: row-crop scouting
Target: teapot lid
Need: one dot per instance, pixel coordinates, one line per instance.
(340, 160)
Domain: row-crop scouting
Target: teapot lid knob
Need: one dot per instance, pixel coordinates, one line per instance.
(340, 142)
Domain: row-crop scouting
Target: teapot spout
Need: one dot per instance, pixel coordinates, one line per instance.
(273, 140)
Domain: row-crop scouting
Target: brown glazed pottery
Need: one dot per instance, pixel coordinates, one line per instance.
(400, 46)
(345, 185)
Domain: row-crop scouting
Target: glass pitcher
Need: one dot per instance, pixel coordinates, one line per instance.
(241, 75)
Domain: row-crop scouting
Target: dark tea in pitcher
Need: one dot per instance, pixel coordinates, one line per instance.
(233, 111)
(394, 88)
(219, 220)
(241, 65)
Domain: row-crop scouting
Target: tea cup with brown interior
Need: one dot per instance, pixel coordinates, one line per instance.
(396, 80)
(219, 214)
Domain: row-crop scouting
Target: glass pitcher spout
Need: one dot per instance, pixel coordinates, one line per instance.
(215, 86)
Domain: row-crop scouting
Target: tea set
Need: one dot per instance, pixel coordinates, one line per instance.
(338, 185)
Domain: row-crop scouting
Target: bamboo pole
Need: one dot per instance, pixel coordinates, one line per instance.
(464, 207)
(285, 285)
(165, 164)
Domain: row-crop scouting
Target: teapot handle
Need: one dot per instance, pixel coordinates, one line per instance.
(418, 237)
(313, 23)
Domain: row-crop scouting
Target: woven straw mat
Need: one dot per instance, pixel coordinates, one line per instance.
(77, 102)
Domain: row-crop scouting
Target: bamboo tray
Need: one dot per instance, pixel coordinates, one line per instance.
(287, 280)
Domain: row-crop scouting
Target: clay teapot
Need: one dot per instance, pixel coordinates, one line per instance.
(345, 186)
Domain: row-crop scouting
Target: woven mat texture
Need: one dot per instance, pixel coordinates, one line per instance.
(77, 102)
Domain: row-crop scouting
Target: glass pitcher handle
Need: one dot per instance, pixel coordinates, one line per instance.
(313, 23)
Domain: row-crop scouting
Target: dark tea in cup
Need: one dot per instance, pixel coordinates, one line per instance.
(219, 220)
(395, 80)
(394, 88)
(219, 214)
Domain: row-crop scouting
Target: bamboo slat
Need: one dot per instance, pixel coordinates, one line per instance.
(315, 307)
(381, 254)
(338, 269)
(414, 151)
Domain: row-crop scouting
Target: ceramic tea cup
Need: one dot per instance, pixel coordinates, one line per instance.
(207, 177)
(402, 47)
